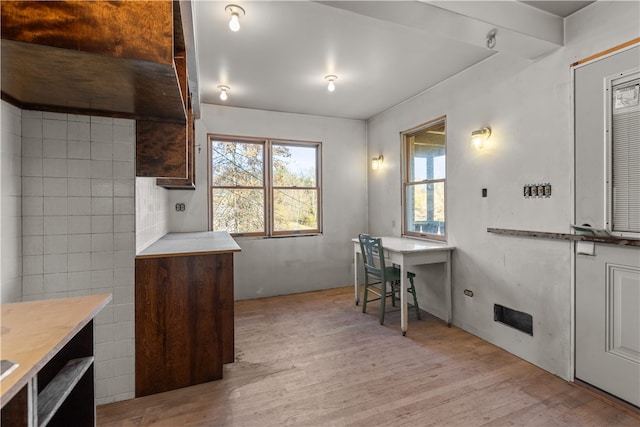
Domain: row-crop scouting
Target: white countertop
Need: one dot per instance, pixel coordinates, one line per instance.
(184, 244)
(407, 244)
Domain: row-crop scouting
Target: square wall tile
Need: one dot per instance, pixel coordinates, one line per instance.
(78, 168)
(54, 167)
(31, 126)
(31, 147)
(101, 206)
(78, 187)
(55, 263)
(79, 131)
(33, 284)
(80, 224)
(79, 150)
(101, 151)
(55, 225)
(102, 224)
(55, 244)
(78, 262)
(55, 282)
(54, 148)
(55, 206)
(79, 206)
(80, 280)
(32, 186)
(32, 226)
(80, 243)
(101, 132)
(101, 187)
(55, 187)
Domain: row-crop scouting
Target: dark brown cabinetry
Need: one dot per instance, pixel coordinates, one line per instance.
(111, 58)
(184, 320)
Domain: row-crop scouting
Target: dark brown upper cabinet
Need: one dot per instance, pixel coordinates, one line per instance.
(111, 58)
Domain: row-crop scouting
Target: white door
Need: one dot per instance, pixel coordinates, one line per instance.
(607, 329)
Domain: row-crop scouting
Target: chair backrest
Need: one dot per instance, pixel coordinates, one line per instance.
(372, 255)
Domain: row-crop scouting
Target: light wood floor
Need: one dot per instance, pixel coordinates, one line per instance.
(315, 359)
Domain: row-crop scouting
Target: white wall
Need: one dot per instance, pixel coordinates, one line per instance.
(528, 106)
(277, 266)
(10, 205)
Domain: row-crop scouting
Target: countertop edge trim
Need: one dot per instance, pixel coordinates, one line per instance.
(177, 254)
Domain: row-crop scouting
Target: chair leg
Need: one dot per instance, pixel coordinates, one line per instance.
(365, 294)
(383, 298)
(415, 298)
(393, 294)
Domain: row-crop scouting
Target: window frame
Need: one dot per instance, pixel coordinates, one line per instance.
(268, 184)
(406, 183)
(612, 82)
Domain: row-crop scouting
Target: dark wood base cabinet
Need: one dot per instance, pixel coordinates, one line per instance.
(184, 320)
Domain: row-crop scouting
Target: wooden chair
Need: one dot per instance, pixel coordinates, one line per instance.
(375, 268)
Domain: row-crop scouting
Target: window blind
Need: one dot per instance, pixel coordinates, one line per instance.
(625, 156)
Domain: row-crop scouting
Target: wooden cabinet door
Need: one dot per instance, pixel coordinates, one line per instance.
(181, 302)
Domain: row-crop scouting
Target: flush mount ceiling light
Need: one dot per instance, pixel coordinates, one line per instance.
(223, 92)
(236, 11)
(331, 78)
(479, 137)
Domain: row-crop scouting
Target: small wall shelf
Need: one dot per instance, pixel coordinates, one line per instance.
(562, 236)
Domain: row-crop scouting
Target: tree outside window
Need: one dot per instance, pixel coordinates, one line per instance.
(264, 187)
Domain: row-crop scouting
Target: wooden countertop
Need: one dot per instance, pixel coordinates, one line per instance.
(185, 244)
(33, 332)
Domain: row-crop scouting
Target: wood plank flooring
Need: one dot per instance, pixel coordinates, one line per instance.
(315, 359)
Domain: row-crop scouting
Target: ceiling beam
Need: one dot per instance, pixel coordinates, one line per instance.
(520, 29)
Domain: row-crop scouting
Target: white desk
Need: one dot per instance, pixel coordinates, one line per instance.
(405, 252)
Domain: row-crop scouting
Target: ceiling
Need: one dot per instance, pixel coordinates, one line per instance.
(383, 52)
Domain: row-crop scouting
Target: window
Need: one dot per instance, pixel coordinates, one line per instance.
(263, 187)
(424, 180)
(623, 132)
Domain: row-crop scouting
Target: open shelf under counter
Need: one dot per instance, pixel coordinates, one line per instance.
(53, 383)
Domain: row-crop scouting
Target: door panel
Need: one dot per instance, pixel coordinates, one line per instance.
(608, 320)
(607, 286)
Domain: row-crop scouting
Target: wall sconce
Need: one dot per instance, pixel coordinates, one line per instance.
(479, 137)
(223, 92)
(331, 79)
(236, 12)
(376, 162)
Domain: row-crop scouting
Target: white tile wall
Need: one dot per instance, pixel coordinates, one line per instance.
(78, 228)
(152, 213)
(10, 205)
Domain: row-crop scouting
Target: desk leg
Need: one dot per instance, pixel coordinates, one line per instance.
(447, 287)
(355, 274)
(404, 320)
